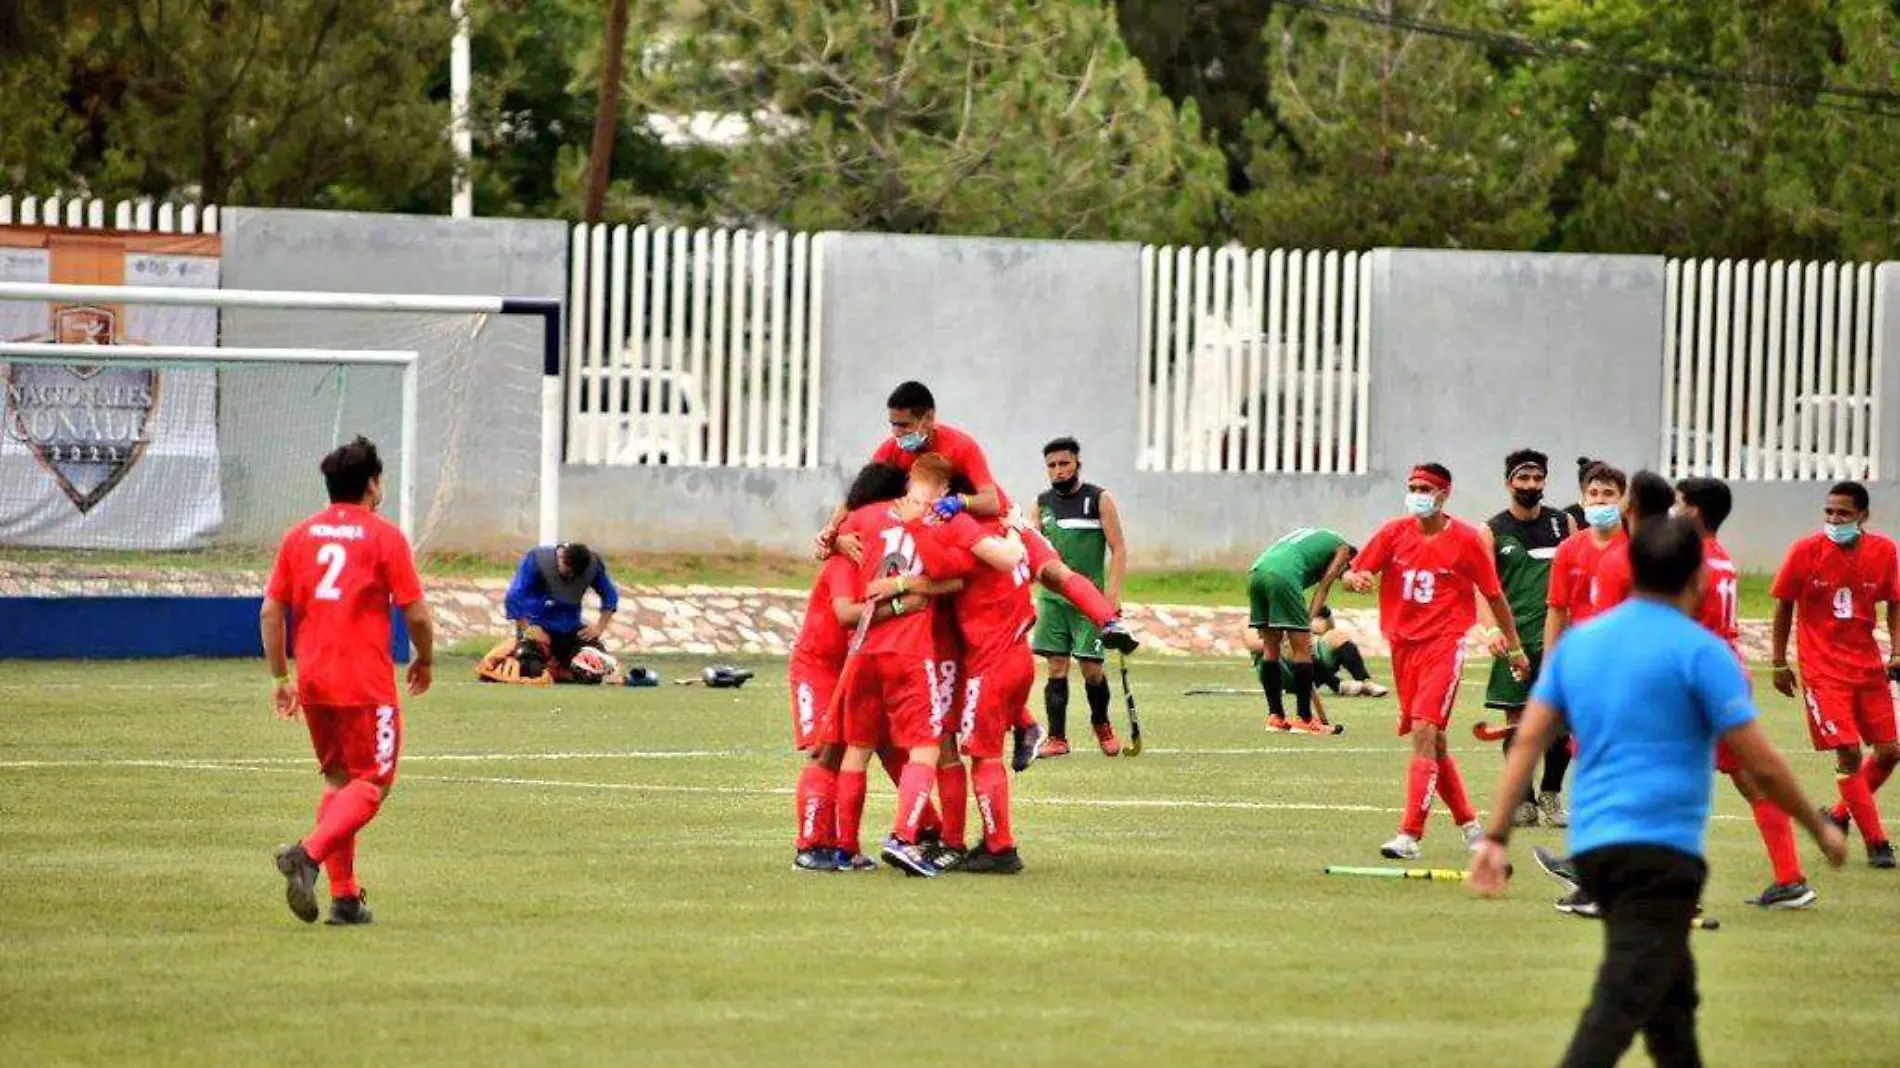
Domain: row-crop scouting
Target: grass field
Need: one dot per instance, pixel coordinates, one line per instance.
(602, 877)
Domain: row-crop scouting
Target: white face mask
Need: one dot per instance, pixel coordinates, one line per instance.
(1421, 505)
(1602, 516)
(1841, 533)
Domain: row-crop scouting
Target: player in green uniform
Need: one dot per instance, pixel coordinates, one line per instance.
(1081, 521)
(1523, 540)
(1306, 558)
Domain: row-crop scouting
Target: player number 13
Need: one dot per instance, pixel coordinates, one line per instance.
(1419, 586)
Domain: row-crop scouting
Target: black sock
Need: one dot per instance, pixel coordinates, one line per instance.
(1303, 690)
(1270, 683)
(1055, 706)
(1348, 657)
(1098, 695)
(1556, 763)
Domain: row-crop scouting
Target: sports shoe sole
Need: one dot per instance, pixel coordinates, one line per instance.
(1799, 901)
(1398, 854)
(1033, 737)
(914, 867)
(300, 885)
(1554, 867)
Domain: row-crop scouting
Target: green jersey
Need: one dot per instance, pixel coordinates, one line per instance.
(1524, 550)
(1073, 524)
(1301, 556)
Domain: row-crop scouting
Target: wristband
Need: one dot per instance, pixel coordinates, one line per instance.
(1501, 839)
(897, 608)
(903, 586)
(281, 680)
(1493, 632)
(1514, 652)
(1779, 665)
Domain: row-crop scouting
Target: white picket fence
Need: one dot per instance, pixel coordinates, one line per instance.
(1254, 360)
(79, 213)
(697, 348)
(1771, 370)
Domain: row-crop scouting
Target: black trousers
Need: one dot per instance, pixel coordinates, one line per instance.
(1647, 980)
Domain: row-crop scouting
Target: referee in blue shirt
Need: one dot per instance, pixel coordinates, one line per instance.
(1646, 691)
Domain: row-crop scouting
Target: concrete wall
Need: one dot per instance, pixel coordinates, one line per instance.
(479, 424)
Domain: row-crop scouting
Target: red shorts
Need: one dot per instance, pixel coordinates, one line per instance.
(994, 696)
(943, 695)
(1426, 674)
(362, 742)
(1841, 716)
(814, 719)
(892, 696)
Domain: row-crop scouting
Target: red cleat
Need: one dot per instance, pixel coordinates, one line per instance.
(1278, 723)
(1105, 734)
(1052, 747)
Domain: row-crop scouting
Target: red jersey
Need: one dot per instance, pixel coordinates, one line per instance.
(994, 610)
(823, 638)
(1614, 580)
(1717, 611)
(1835, 590)
(892, 548)
(339, 572)
(1425, 591)
(964, 454)
(1573, 573)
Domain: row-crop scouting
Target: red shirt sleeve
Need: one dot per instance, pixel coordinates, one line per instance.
(839, 578)
(961, 532)
(280, 588)
(886, 451)
(1892, 578)
(1378, 548)
(1480, 568)
(399, 569)
(1559, 596)
(1793, 573)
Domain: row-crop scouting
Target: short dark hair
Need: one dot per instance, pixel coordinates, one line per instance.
(1584, 464)
(349, 469)
(912, 397)
(1711, 499)
(1853, 491)
(1525, 456)
(1602, 472)
(1063, 444)
(1651, 495)
(875, 484)
(1438, 469)
(1325, 612)
(578, 555)
(1665, 555)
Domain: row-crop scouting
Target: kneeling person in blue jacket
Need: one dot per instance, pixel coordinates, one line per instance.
(547, 592)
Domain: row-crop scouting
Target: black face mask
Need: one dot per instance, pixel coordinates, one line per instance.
(1067, 486)
(1527, 498)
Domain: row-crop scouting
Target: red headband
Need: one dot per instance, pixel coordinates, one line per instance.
(1438, 482)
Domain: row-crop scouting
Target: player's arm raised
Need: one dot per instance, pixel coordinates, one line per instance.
(1117, 550)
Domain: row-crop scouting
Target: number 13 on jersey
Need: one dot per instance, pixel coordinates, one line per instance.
(1419, 586)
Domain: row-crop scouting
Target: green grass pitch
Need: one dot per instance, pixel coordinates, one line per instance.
(603, 877)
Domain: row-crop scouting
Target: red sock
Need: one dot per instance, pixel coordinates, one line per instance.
(817, 807)
(894, 761)
(351, 808)
(913, 797)
(992, 803)
(1875, 775)
(953, 789)
(1083, 594)
(1860, 802)
(1451, 787)
(340, 865)
(1420, 783)
(851, 786)
(1777, 833)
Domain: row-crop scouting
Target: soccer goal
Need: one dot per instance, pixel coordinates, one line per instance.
(131, 467)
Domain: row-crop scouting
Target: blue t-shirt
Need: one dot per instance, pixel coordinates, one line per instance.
(1646, 691)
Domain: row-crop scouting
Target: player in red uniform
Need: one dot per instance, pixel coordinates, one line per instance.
(1833, 580)
(336, 576)
(1428, 565)
(1573, 571)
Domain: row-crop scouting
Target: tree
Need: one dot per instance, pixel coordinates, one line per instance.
(1398, 139)
(1212, 52)
(600, 157)
(957, 116)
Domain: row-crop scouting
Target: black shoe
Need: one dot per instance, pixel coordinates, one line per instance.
(300, 881)
(1580, 904)
(907, 857)
(1880, 855)
(1028, 743)
(821, 858)
(1827, 813)
(1115, 636)
(1785, 896)
(1557, 868)
(944, 858)
(349, 911)
(984, 862)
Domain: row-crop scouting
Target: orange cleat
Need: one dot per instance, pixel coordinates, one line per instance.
(1105, 735)
(1052, 747)
(1278, 723)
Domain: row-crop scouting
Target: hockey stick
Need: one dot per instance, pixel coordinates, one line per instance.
(1485, 732)
(1435, 875)
(1134, 724)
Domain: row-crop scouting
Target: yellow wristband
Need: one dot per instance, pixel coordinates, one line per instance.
(897, 608)
(903, 586)
(1514, 652)
(281, 680)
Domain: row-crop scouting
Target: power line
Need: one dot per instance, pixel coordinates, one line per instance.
(1530, 47)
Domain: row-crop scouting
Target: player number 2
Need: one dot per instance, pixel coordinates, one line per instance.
(1419, 586)
(1843, 603)
(332, 556)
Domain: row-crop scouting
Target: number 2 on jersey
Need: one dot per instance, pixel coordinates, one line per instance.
(332, 556)
(1419, 587)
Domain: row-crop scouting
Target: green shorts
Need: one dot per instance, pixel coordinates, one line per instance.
(1278, 602)
(1062, 630)
(1504, 691)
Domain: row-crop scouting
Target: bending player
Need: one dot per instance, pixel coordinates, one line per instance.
(1834, 580)
(1428, 566)
(1306, 558)
(336, 576)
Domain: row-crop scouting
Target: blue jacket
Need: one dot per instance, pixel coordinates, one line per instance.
(538, 594)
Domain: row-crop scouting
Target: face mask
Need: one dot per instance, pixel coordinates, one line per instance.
(913, 441)
(1841, 533)
(1422, 505)
(1527, 498)
(1602, 516)
(1067, 486)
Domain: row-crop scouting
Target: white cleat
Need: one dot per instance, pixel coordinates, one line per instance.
(1373, 689)
(1404, 847)
(1352, 688)
(1474, 833)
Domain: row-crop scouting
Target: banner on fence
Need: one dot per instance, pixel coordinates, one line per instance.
(108, 457)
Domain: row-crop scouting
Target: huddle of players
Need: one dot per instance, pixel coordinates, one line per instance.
(915, 650)
(1559, 576)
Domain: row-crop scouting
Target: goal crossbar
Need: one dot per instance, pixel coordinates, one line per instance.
(211, 356)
